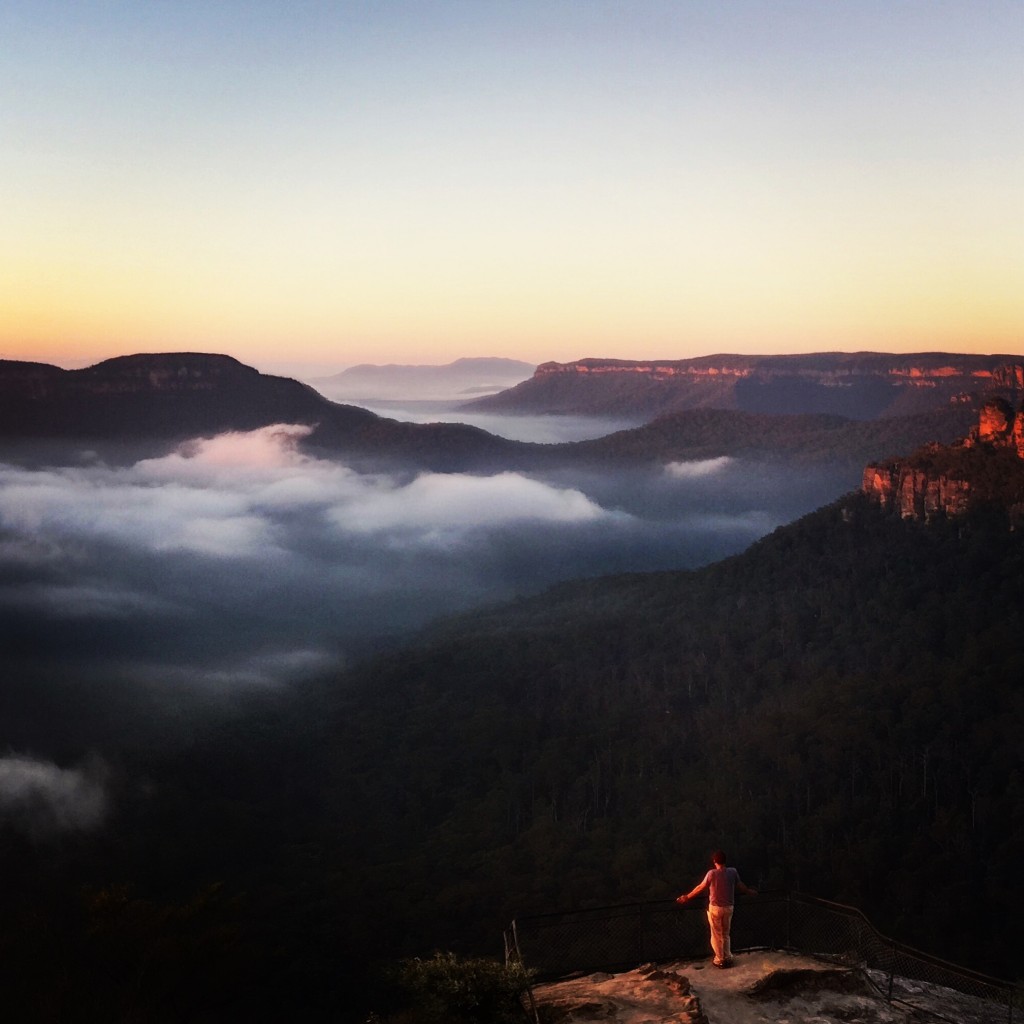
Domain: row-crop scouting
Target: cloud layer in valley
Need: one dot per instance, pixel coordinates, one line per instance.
(539, 429)
(41, 799)
(240, 560)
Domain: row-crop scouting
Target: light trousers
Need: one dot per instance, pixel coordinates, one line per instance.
(720, 921)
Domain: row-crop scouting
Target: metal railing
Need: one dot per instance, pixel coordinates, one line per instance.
(621, 937)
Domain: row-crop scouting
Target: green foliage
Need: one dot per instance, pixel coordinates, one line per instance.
(447, 989)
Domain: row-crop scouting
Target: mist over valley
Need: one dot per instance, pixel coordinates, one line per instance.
(239, 560)
(166, 536)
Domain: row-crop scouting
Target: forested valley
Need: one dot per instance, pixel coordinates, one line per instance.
(839, 707)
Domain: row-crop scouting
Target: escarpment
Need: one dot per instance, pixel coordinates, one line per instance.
(858, 385)
(985, 468)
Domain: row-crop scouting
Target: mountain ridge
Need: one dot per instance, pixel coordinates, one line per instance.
(863, 385)
(174, 396)
(471, 374)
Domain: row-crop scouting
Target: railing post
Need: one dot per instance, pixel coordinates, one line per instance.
(892, 965)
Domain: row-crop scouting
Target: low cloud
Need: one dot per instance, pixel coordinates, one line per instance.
(698, 469)
(226, 496)
(125, 507)
(238, 560)
(42, 799)
(539, 429)
(441, 507)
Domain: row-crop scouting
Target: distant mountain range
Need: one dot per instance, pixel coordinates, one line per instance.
(461, 378)
(168, 397)
(862, 385)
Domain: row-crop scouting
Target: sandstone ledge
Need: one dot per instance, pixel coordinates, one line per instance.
(759, 988)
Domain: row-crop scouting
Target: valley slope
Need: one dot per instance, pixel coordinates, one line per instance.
(839, 707)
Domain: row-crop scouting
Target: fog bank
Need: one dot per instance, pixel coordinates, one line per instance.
(240, 561)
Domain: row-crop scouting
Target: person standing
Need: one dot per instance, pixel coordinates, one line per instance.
(721, 882)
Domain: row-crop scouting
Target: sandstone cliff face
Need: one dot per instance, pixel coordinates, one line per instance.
(999, 427)
(948, 481)
(829, 369)
(860, 385)
(915, 493)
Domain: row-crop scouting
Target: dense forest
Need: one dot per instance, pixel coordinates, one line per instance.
(839, 706)
(805, 437)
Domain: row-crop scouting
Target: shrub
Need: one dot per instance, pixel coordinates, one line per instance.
(448, 989)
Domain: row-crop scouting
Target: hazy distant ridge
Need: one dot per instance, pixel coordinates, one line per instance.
(461, 377)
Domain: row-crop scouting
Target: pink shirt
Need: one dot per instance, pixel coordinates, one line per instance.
(721, 883)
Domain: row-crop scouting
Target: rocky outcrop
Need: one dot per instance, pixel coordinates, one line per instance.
(986, 467)
(650, 993)
(862, 385)
(914, 493)
(760, 986)
(999, 427)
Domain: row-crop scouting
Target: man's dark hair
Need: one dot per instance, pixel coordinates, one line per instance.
(718, 857)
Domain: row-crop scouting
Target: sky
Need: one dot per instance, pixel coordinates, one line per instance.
(321, 184)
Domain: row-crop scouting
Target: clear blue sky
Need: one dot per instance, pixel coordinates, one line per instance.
(411, 182)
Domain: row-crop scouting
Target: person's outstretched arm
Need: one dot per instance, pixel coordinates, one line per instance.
(694, 891)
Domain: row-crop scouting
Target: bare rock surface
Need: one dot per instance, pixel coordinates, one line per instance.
(759, 988)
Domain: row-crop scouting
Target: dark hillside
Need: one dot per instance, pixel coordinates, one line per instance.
(709, 433)
(169, 397)
(841, 706)
(166, 394)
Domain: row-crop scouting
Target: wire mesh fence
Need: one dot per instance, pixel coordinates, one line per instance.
(621, 937)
